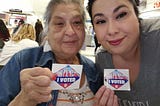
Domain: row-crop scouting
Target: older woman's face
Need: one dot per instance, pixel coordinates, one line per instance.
(116, 25)
(66, 30)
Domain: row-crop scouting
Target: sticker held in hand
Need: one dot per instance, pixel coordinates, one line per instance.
(117, 79)
(66, 76)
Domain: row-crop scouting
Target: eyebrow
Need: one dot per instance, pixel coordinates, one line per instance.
(77, 16)
(60, 17)
(98, 14)
(120, 6)
(115, 10)
(57, 17)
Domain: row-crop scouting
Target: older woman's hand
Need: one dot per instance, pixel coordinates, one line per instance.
(35, 84)
(105, 97)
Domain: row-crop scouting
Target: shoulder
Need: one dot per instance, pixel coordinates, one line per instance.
(88, 64)
(31, 51)
(29, 54)
(149, 25)
(24, 58)
(150, 42)
(85, 60)
(101, 52)
(151, 36)
(103, 58)
(28, 42)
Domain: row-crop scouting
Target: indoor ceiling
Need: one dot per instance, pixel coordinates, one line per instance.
(36, 7)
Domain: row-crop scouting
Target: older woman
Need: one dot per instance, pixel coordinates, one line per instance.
(26, 79)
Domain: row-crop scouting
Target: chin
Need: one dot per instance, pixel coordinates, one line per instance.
(71, 51)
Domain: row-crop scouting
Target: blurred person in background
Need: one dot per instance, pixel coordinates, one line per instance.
(24, 38)
(21, 22)
(15, 23)
(4, 34)
(38, 29)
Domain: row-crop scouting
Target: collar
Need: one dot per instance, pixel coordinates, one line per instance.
(47, 47)
(47, 56)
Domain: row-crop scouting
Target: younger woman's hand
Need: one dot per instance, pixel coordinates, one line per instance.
(105, 97)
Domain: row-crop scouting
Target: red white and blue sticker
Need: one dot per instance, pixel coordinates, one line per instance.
(117, 79)
(66, 76)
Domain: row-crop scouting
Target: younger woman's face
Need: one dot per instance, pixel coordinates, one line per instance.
(116, 25)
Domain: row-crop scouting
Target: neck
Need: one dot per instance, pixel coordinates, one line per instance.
(71, 60)
(131, 62)
(127, 60)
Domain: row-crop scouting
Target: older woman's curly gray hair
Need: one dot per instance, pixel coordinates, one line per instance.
(53, 3)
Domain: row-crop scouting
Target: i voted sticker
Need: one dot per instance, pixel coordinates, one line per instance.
(66, 76)
(117, 79)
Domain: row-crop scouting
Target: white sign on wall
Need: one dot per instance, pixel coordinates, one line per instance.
(153, 4)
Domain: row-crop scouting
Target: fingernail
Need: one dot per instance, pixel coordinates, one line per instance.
(54, 76)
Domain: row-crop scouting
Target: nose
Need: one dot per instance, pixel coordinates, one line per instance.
(112, 28)
(69, 29)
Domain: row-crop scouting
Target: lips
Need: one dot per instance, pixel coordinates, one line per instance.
(115, 42)
(69, 42)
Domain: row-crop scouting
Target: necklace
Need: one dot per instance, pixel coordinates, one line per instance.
(75, 97)
(79, 96)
